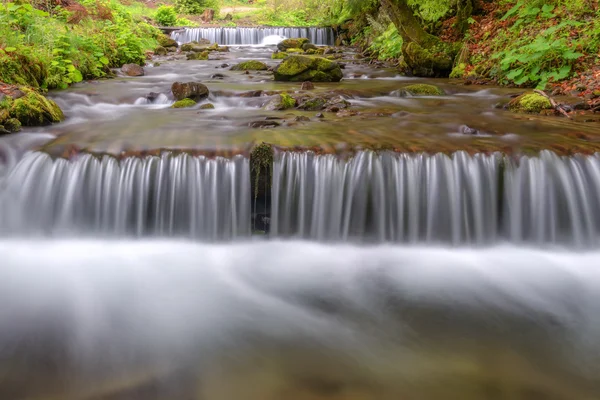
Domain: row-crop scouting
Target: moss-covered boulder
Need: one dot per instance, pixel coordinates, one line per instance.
(434, 60)
(160, 51)
(420, 89)
(166, 41)
(250, 65)
(304, 68)
(207, 106)
(279, 55)
(282, 101)
(292, 43)
(189, 90)
(32, 109)
(294, 51)
(185, 103)
(531, 102)
(197, 56)
(309, 46)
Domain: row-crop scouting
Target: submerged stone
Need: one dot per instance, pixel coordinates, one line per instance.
(185, 103)
(132, 70)
(207, 106)
(529, 103)
(303, 68)
(419, 89)
(251, 65)
(197, 56)
(189, 90)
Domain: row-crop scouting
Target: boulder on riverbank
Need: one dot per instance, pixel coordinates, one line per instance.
(29, 109)
(165, 41)
(532, 103)
(250, 65)
(132, 70)
(297, 68)
(189, 90)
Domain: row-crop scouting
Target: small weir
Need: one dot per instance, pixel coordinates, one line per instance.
(249, 36)
(374, 197)
(176, 195)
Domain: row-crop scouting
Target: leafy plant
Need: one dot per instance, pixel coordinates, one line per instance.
(166, 16)
(388, 45)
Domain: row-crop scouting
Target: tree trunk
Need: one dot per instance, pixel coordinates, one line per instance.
(424, 54)
(464, 9)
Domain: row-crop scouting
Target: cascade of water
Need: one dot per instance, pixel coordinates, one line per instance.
(459, 199)
(161, 196)
(245, 36)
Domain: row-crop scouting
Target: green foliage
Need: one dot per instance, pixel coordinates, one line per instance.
(166, 16)
(44, 50)
(196, 6)
(388, 45)
(185, 22)
(549, 57)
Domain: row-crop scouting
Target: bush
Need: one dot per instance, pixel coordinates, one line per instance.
(166, 16)
(196, 6)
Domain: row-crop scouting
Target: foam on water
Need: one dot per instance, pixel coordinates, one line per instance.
(264, 319)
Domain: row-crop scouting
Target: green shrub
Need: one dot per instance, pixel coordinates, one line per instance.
(166, 16)
(196, 6)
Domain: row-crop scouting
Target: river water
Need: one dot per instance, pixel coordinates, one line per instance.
(132, 269)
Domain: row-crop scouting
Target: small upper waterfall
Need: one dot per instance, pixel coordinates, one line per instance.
(244, 36)
(172, 195)
(420, 198)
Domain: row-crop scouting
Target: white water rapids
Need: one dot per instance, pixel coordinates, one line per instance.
(295, 320)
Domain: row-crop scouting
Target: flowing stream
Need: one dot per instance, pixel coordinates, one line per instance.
(425, 248)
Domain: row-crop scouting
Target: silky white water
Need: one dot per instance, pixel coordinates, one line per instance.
(247, 36)
(272, 320)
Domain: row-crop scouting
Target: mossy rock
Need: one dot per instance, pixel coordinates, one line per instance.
(197, 56)
(294, 51)
(12, 125)
(458, 71)
(21, 69)
(250, 65)
(33, 109)
(292, 43)
(160, 51)
(282, 101)
(308, 46)
(189, 90)
(166, 41)
(434, 61)
(313, 104)
(532, 103)
(422, 89)
(207, 106)
(185, 103)
(279, 55)
(297, 68)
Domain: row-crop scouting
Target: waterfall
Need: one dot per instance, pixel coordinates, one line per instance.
(172, 195)
(460, 199)
(245, 36)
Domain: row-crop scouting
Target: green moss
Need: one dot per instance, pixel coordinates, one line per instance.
(422, 89)
(12, 125)
(458, 71)
(287, 101)
(279, 55)
(197, 56)
(166, 41)
(20, 69)
(261, 161)
(292, 43)
(184, 103)
(251, 65)
(34, 109)
(313, 104)
(303, 68)
(294, 51)
(529, 103)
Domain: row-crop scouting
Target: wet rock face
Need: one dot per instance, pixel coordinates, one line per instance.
(292, 44)
(313, 69)
(132, 70)
(189, 90)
